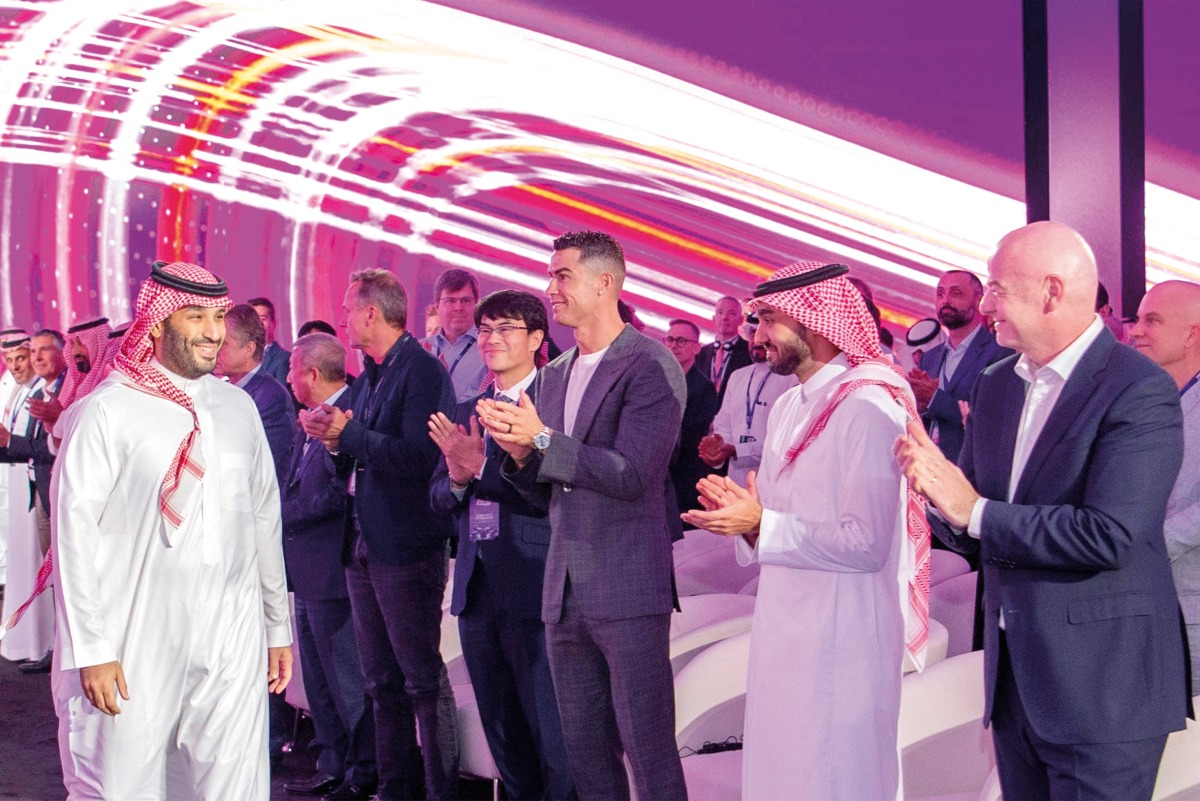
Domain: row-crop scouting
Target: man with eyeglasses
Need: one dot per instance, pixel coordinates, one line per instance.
(503, 540)
(683, 340)
(456, 292)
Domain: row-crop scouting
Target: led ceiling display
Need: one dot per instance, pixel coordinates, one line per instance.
(285, 144)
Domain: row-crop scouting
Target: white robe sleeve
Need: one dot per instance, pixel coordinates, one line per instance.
(867, 484)
(268, 526)
(84, 478)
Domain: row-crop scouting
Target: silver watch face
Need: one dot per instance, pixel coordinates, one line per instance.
(541, 440)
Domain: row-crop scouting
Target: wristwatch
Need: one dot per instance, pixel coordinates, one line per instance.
(541, 440)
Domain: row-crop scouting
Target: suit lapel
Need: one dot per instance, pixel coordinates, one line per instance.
(552, 389)
(966, 365)
(1075, 394)
(614, 363)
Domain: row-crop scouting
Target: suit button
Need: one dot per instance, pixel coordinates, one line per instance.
(566, 487)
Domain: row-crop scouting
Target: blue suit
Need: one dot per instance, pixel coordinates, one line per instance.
(498, 600)
(275, 362)
(943, 408)
(1092, 652)
(274, 404)
(315, 498)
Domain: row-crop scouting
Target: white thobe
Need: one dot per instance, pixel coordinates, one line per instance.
(189, 614)
(742, 419)
(35, 635)
(827, 642)
(7, 384)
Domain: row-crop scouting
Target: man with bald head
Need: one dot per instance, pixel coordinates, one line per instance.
(1070, 451)
(729, 352)
(1168, 331)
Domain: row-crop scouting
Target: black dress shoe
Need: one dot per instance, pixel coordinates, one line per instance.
(318, 784)
(348, 791)
(38, 665)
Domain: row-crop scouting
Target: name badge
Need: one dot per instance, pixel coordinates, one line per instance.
(484, 520)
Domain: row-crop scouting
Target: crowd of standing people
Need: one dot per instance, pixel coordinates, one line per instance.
(172, 512)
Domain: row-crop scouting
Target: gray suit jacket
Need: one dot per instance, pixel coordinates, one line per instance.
(607, 482)
(1182, 526)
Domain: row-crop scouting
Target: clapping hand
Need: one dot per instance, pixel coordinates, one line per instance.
(463, 449)
(729, 509)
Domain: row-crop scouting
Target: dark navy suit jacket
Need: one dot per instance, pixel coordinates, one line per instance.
(275, 362)
(278, 415)
(943, 407)
(388, 441)
(34, 447)
(315, 498)
(517, 558)
(739, 357)
(1078, 561)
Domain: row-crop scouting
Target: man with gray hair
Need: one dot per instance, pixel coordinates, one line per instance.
(396, 574)
(315, 499)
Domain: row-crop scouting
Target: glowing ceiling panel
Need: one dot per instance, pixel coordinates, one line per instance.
(285, 144)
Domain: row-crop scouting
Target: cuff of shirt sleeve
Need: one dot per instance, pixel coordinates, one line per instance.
(745, 553)
(459, 494)
(279, 636)
(975, 524)
(99, 653)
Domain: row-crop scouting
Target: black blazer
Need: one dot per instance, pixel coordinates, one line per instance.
(315, 499)
(33, 446)
(516, 559)
(698, 414)
(274, 404)
(739, 357)
(943, 406)
(387, 443)
(1078, 561)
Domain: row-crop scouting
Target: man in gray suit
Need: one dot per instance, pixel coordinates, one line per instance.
(597, 446)
(1168, 331)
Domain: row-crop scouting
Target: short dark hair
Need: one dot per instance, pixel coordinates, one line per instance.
(453, 280)
(316, 326)
(680, 321)
(1101, 296)
(972, 277)
(514, 304)
(263, 302)
(59, 340)
(431, 310)
(595, 246)
(242, 323)
(381, 289)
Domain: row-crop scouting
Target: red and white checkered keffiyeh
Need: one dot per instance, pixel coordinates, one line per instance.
(155, 303)
(95, 342)
(833, 308)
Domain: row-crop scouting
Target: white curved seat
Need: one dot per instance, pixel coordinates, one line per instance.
(452, 651)
(707, 619)
(715, 570)
(1179, 771)
(953, 604)
(944, 565)
(943, 745)
(474, 756)
(695, 543)
(713, 777)
(710, 694)
(751, 587)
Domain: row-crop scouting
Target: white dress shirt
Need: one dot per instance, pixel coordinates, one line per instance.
(1045, 385)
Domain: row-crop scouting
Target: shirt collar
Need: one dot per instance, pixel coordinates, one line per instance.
(469, 336)
(834, 368)
(1066, 361)
(966, 342)
(515, 390)
(244, 380)
(332, 399)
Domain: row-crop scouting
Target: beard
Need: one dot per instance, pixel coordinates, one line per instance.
(179, 357)
(955, 319)
(789, 356)
(82, 364)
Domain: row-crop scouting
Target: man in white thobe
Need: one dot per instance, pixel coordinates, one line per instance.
(169, 576)
(826, 519)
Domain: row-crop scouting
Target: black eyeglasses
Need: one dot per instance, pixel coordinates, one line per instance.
(673, 341)
(505, 331)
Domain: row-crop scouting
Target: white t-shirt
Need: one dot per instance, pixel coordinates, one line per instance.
(581, 375)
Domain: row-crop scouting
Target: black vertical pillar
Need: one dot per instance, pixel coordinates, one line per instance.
(1085, 143)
